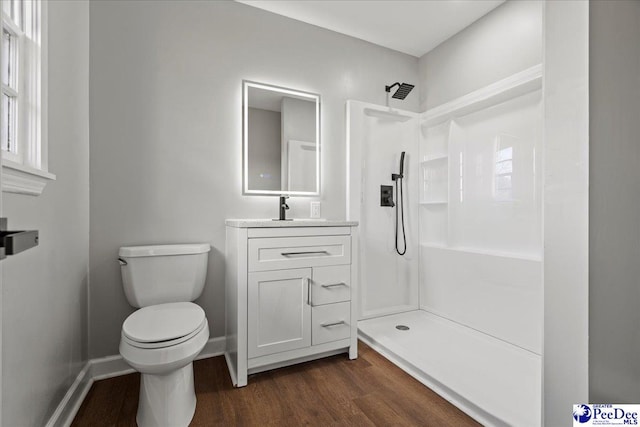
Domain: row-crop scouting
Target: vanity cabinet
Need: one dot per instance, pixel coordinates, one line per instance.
(290, 293)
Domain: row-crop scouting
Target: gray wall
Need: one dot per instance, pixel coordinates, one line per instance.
(265, 142)
(501, 43)
(166, 80)
(614, 208)
(44, 319)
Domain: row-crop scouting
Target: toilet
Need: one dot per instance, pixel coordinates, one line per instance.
(163, 337)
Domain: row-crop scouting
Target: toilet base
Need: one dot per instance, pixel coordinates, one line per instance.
(167, 400)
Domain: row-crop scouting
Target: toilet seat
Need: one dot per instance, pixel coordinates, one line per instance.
(163, 325)
(164, 358)
(164, 344)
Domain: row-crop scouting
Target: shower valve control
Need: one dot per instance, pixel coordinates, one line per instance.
(386, 196)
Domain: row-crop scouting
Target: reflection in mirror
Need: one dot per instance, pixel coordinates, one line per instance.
(281, 133)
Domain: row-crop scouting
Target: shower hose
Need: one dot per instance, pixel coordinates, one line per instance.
(400, 207)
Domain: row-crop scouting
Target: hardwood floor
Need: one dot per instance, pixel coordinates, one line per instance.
(369, 391)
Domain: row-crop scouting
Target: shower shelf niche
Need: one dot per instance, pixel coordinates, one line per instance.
(435, 181)
(434, 196)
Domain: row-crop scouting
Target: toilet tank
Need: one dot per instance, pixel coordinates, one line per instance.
(163, 273)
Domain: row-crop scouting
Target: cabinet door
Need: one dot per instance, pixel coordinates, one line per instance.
(279, 312)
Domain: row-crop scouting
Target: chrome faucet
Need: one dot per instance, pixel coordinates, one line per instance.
(283, 208)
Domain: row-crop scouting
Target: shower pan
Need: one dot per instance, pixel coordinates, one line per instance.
(469, 289)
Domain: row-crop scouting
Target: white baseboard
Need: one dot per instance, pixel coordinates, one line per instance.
(72, 400)
(103, 368)
(213, 347)
(109, 367)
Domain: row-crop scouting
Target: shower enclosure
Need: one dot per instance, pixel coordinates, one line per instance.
(469, 288)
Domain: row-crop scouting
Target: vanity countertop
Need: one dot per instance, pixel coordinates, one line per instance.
(269, 223)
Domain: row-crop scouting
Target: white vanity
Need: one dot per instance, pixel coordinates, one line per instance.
(290, 293)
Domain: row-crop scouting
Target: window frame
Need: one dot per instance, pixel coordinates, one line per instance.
(13, 88)
(26, 170)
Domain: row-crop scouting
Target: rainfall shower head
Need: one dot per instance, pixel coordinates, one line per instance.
(402, 92)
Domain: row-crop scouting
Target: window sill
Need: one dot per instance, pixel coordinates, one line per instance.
(21, 179)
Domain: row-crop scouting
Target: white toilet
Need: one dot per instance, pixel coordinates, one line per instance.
(161, 339)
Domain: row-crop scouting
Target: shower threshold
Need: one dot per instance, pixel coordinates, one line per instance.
(495, 382)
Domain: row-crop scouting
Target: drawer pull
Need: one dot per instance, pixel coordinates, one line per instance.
(328, 325)
(333, 285)
(304, 253)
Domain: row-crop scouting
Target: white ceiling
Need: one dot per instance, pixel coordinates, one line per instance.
(413, 27)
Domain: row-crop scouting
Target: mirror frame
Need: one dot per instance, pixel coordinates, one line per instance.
(246, 84)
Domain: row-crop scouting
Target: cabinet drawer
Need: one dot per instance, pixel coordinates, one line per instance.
(331, 322)
(280, 253)
(331, 284)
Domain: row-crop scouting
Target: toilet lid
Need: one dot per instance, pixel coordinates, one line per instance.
(163, 322)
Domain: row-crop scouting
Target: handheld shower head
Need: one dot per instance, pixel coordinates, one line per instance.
(402, 91)
(396, 176)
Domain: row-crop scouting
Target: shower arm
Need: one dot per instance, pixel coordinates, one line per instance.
(388, 90)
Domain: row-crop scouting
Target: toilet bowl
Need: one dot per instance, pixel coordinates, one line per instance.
(163, 337)
(163, 353)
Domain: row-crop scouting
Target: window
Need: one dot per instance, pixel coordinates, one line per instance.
(9, 95)
(23, 107)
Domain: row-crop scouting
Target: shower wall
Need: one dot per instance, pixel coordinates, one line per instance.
(481, 250)
(480, 220)
(473, 213)
(389, 281)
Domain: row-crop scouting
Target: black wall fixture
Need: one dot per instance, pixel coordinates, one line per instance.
(386, 195)
(14, 242)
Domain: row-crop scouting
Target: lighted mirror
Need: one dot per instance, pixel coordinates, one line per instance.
(281, 141)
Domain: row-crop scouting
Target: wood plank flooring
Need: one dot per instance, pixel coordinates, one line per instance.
(336, 391)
